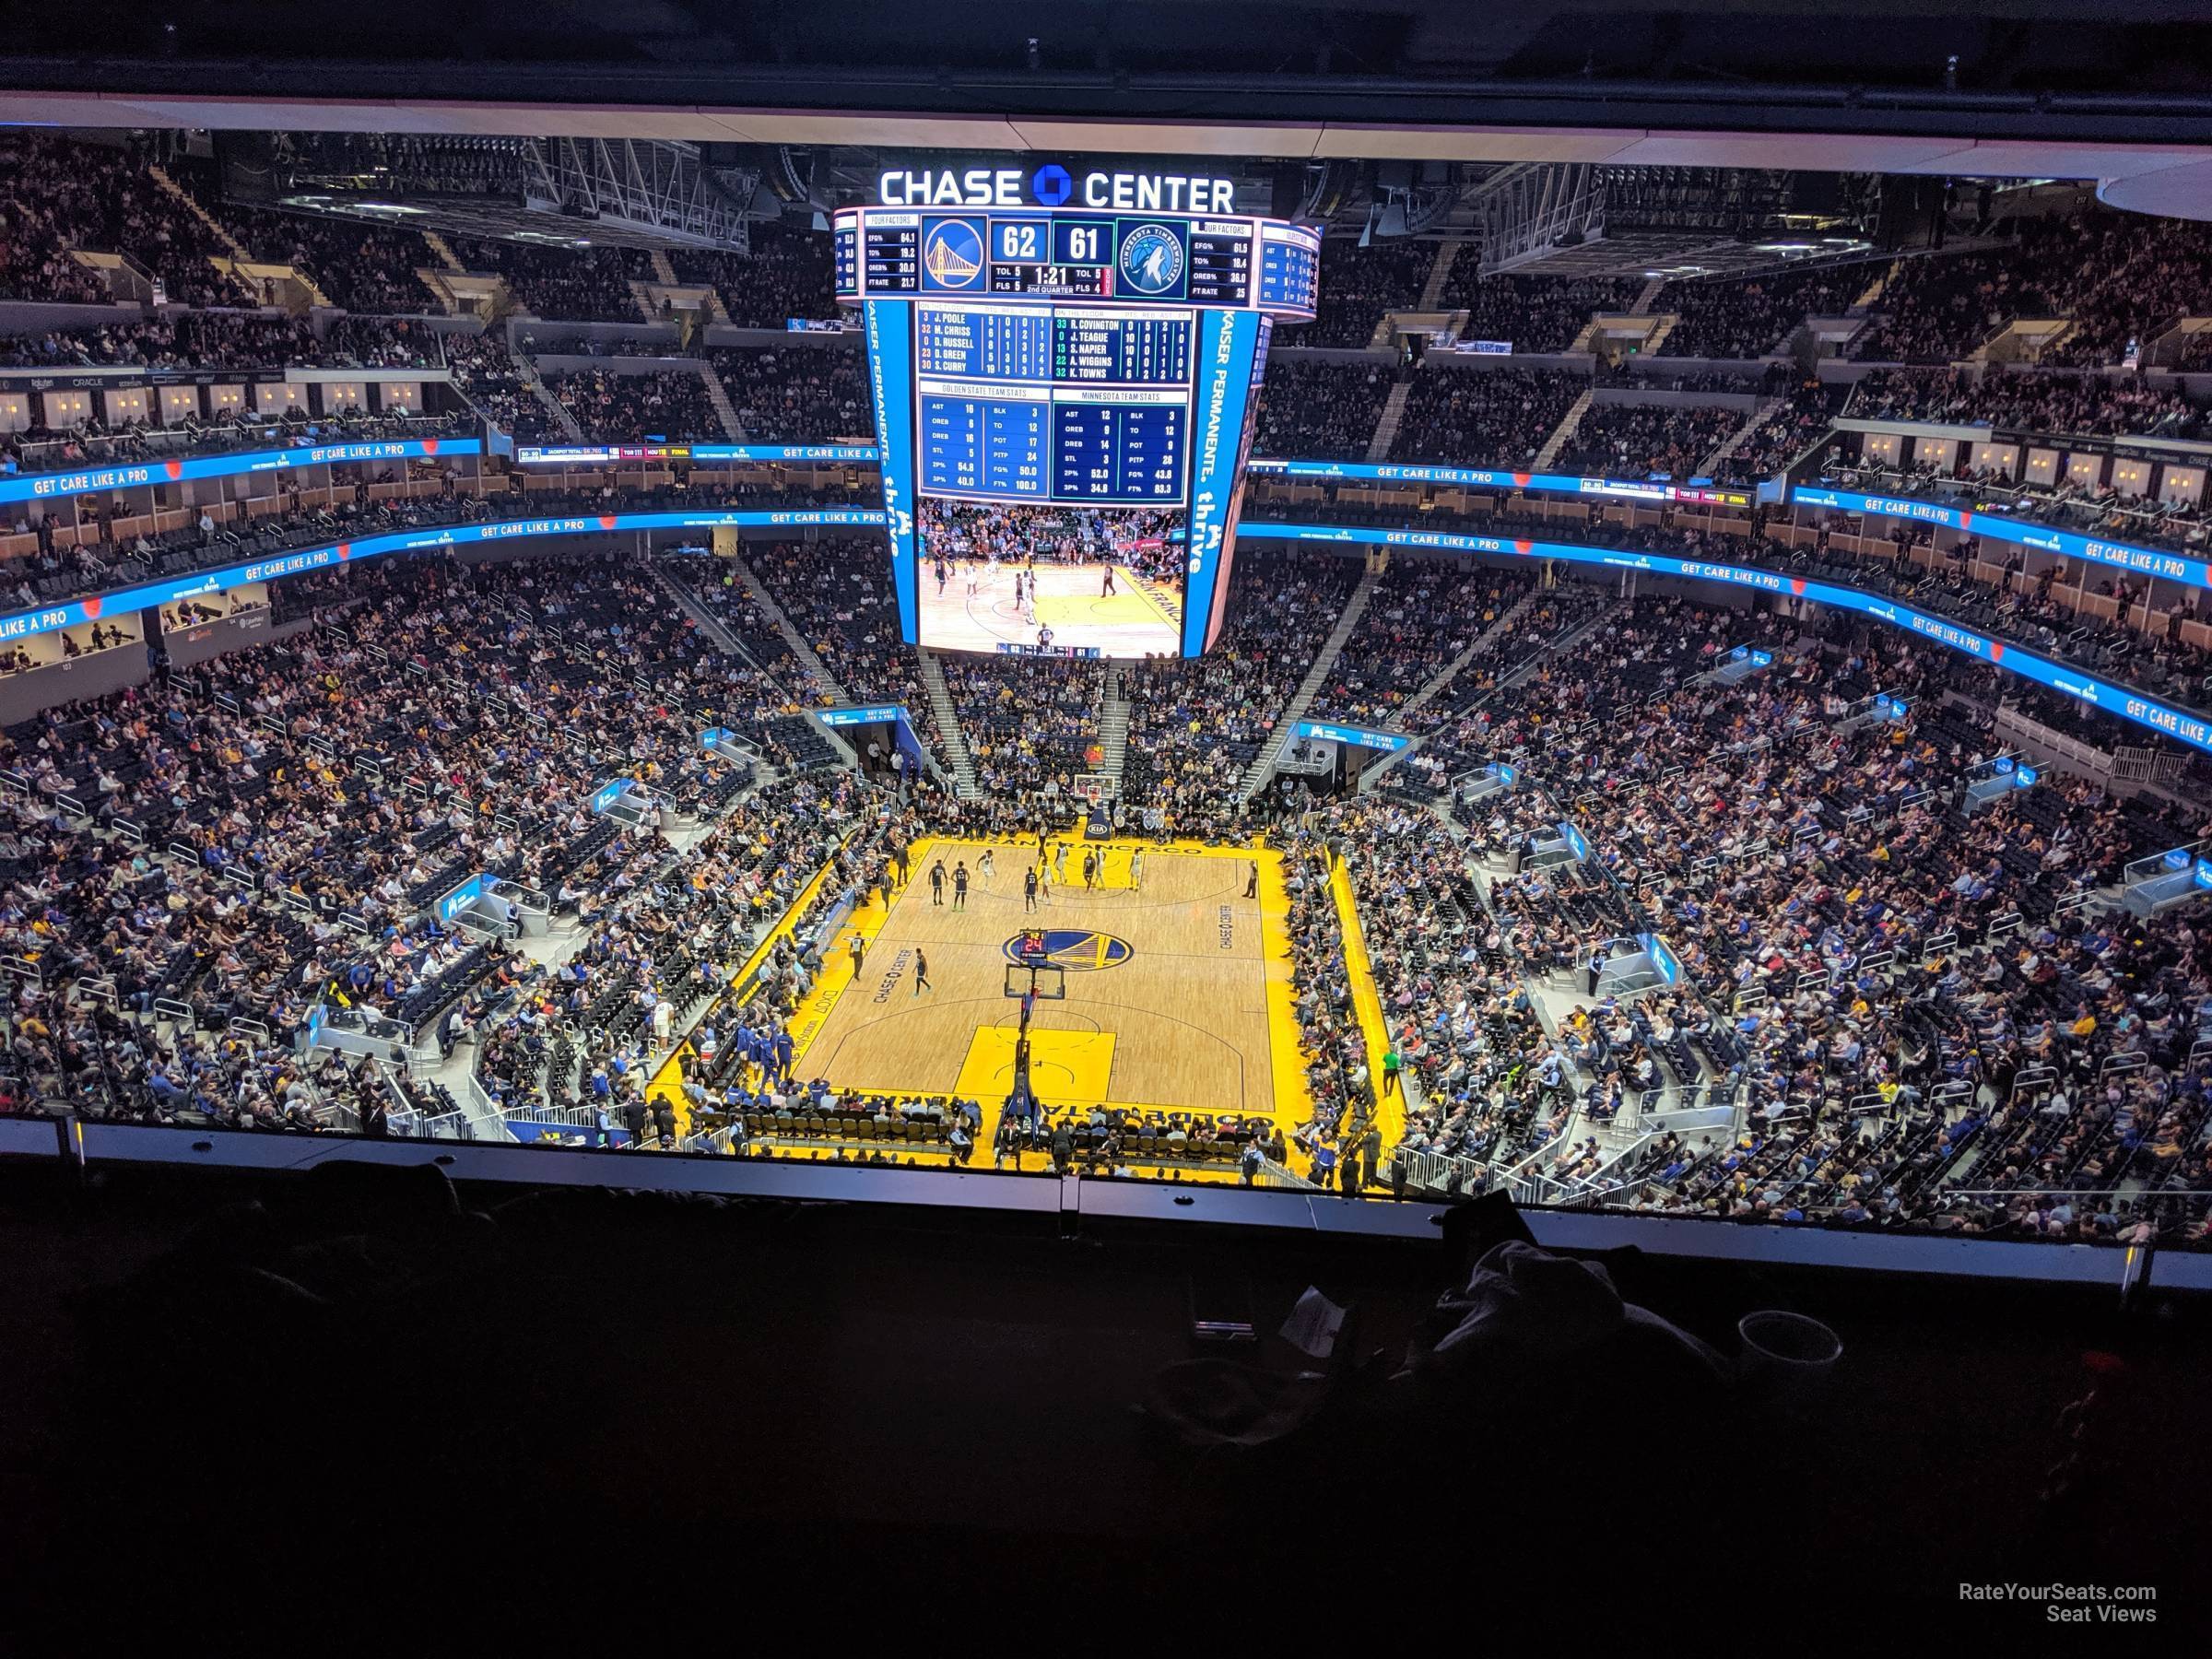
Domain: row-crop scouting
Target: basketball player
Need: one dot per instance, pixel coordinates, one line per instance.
(1107, 591)
(960, 886)
(1028, 890)
(1137, 871)
(944, 575)
(1060, 864)
(982, 864)
(922, 973)
(1090, 870)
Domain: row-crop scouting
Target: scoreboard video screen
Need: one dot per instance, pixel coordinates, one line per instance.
(1064, 400)
(1047, 403)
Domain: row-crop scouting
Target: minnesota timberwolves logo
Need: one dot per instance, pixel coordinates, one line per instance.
(1151, 259)
(953, 253)
(1078, 950)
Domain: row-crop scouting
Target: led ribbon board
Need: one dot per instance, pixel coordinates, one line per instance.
(41, 486)
(2192, 729)
(851, 454)
(1991, 526)
(1525, 483)
(47, 619)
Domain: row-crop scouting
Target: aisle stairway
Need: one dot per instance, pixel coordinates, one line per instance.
(527, 371)
(1440, 275)
(1427, 693)
(679, 589)
(1113, 725)
(447, 258)
(1563, 431)
(800, 649)
(662, 269)
(1262, 765)
(964, 785)
(1734, 440)
(724, 410)
(1642, 308)
(1386, 425)
(239, 253)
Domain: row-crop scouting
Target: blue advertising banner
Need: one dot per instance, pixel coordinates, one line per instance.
(1991, 526)
(1390, 743)
(45, 619)
(2192, 729)
(880, 713)
(608, 794)
(895, 715)
(462, 897)
(891, 382)
(1227, 344)
(1662, 960)
(1476, 477)
(43, 486)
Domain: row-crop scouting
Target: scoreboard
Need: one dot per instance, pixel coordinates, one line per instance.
(1233, 263)
(1104, 359)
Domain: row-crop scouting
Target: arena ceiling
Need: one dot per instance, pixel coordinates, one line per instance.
(2065, 88)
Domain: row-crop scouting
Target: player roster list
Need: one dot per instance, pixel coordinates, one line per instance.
(1026, 404)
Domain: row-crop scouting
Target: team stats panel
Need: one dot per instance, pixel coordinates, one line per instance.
(1024, 402)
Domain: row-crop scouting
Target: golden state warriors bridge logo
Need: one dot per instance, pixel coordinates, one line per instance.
(952, 253)
(1073, 949)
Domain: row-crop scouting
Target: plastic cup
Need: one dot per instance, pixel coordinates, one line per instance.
(1788, 1359)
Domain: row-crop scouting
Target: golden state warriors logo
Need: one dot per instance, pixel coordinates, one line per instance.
(953, 253)
(1075, 949)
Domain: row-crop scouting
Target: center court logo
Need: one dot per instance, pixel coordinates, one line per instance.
(1078, 950)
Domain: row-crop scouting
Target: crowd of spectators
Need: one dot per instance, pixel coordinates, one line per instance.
(1635, 440)
(1357, 285)
(797, 395)
(59, 194)
(1421, 616)
(1031, 724)
(1483, 417)
(488, 376)
(787, 274)
(1532, 313)
(1315, 408)
(365, 268)
(1753, 316)
(1796, 863)
(227, 340)
(670, 404)
(838, 593)
(326, 797)
(566, 285)
(1195, 725)
(2029, 400)
(1804, 415)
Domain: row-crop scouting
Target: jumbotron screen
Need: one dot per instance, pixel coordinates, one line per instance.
(1064, 401)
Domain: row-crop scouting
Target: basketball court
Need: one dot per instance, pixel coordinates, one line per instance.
(1140, 618)
(1177, 991)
